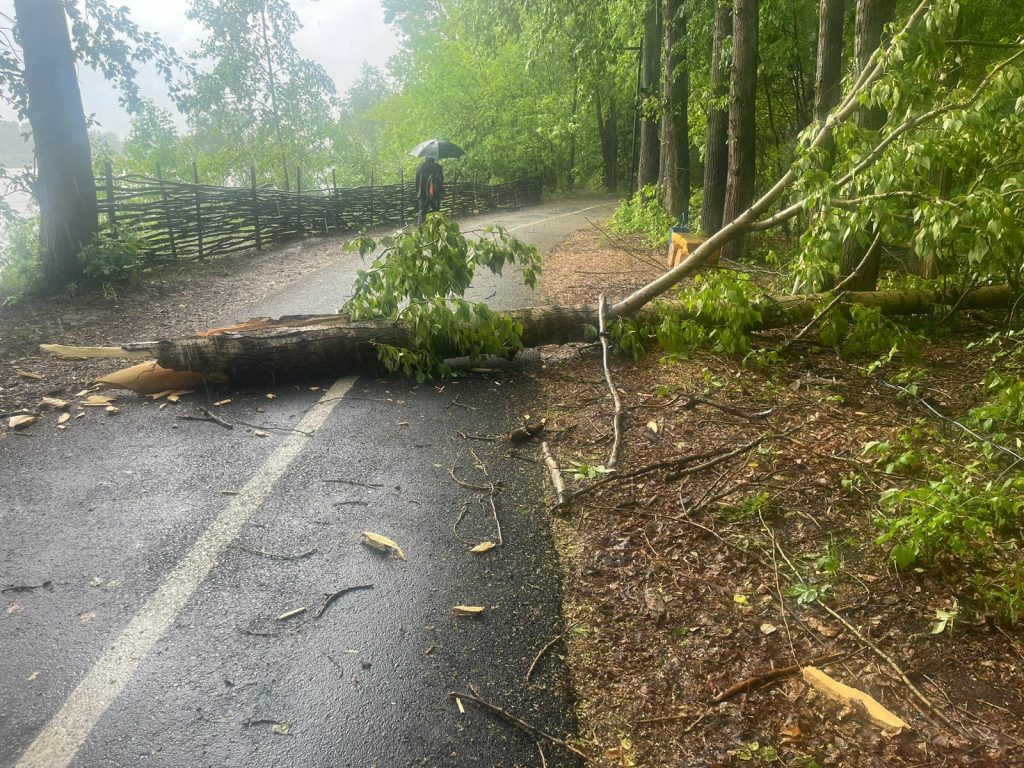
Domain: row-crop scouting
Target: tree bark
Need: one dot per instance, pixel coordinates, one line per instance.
(675, 128)
(64, 187)
(872, 16)
(650, 82)
(607, 129)
(829, 69)
(332, 344)
(716, 153)
(739, 187)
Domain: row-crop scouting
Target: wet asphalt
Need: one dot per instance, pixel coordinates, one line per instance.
(106, 510)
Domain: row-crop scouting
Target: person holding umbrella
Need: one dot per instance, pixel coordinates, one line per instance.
(430, 175)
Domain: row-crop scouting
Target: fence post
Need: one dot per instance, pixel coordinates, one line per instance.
(167, 212)
(108, 171)
(256, 208)
(334, 201)
(455, 186)
(199, 213)
(298, 201)
(371, 199)
(401, 195)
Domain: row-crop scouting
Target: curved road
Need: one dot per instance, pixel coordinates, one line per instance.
(170, 548)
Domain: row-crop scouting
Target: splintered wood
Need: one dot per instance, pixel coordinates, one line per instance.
(382, 544)
(844, 694)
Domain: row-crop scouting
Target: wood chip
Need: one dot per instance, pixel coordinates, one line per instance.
(111, 409)
(53, 402)
(222, 402)
(97, 401)
(844, 694)
(292, 613)
(468, 610)
(484, 546)
(271, 396)
(382, 544)
(28, 374)
(20, 422)
(458, 703)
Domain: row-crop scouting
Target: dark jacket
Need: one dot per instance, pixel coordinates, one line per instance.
(429, 175)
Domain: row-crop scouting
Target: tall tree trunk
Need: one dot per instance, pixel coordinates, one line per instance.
(650, 83)
(739, 186)
(716, 152)
(872, 16)
(64, 188)
(829, 68)
(571, 176)
(607, 128)
(675, 128)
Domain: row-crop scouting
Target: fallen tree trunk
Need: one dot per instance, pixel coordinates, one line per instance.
(261, 349)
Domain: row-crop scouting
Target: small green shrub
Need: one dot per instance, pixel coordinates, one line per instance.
(643, 214)
(113, 258)
(21, 273)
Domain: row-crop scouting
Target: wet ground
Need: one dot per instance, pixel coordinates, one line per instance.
(170, 548)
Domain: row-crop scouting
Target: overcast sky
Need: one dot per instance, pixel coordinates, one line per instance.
(338, 34)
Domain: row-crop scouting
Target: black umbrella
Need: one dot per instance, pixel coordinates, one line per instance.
(439, 149)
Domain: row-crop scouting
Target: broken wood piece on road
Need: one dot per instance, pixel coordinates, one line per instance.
(28, 374)
(21, 422)
(150, 378)
(53, 402)
(468, 610)
(844, 694)
(291, 614)
(483, 546)
(382, 544)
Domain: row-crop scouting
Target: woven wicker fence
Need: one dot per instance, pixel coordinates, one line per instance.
(176, 220)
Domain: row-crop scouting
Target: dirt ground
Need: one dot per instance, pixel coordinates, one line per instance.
(170, 300)
(675, 582)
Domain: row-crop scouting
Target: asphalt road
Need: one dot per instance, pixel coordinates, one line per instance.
(169, 548)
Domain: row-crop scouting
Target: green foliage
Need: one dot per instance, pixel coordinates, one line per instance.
(113, 258)
(583, 471)
(967, 516)
(643, 214)
(419, 278)
(20, 270)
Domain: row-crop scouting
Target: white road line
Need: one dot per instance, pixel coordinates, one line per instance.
(559, 216)
(58, 743)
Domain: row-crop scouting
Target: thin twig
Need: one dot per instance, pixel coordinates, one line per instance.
(519, 723)
(207, 416)
(778, 585)
(330, 598)
(613, 457)
(494, 513)
(464, 484)
(479, 462)
(944, 417)
(353, 482)
(274, 555)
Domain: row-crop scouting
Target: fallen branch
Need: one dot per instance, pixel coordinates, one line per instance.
(555, 473)
(537, 733)
(353, 482)
(47, 585)
(760, 680)
(613, 457)
(207, 416)
(330, 598)
(713, 458)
